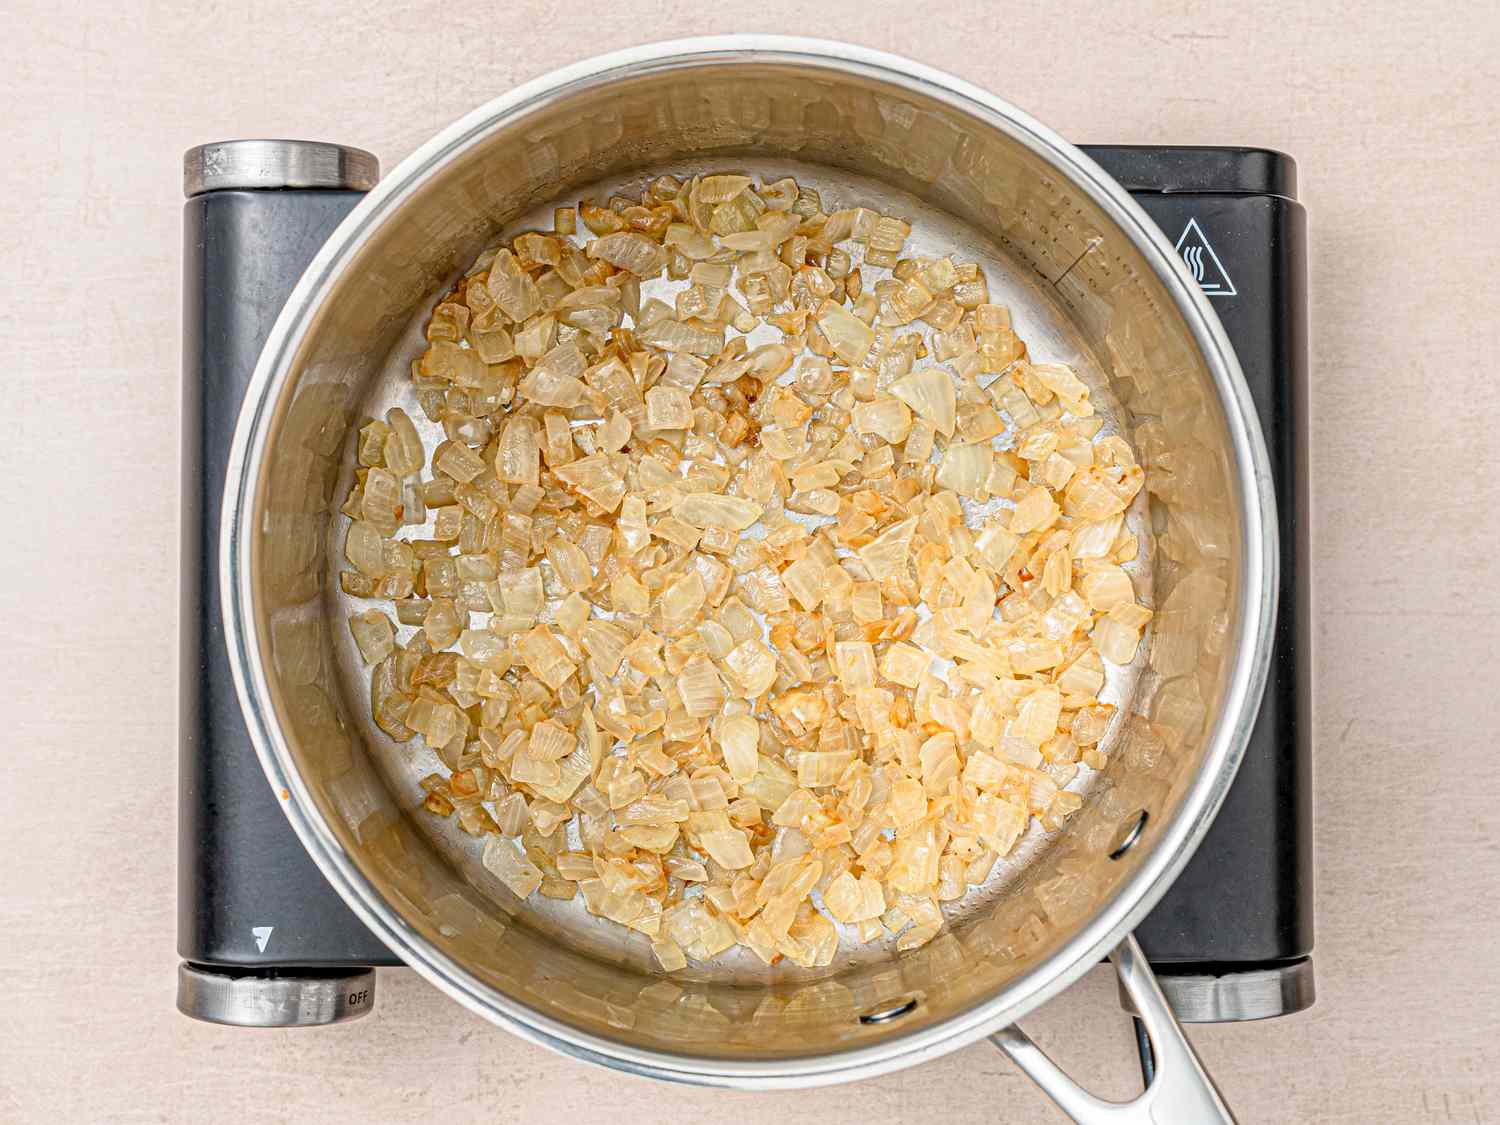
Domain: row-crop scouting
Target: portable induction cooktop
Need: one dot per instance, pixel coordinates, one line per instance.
(266, 942)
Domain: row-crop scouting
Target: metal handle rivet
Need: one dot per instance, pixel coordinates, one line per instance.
(1132, 834)
(889, 1013)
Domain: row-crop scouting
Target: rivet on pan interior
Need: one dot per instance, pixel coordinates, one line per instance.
(890, 1013)
(1131, 835)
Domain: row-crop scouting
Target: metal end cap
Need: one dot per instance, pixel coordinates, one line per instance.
(288, 998)
(269, 164)
(1234, 997)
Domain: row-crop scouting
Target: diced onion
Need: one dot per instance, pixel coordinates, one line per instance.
(729, 513)
(511, 867)
(930, 393)
(713, 610)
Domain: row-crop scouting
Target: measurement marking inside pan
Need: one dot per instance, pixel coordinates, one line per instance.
(1087, 250)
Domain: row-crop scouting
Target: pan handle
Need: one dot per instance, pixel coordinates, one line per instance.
(1179, 1092)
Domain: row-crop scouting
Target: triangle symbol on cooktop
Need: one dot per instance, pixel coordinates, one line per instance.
(1203, 262)
(262, 936)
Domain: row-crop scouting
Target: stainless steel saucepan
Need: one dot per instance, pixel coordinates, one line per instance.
(1089, 281)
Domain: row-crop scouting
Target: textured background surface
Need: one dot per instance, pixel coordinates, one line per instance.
(1390, 112)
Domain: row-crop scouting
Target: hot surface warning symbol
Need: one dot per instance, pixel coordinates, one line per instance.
(1203, 263)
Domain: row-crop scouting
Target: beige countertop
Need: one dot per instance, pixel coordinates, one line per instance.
(1392, 116)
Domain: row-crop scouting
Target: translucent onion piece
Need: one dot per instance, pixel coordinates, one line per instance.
(1107, 587)
(668, 408)
(629, 251)
(914, 864)
(700, 687)
(907, 803)
(485, 649)
(1035, 511)
(728, 848)
(371, 447)
(681, 601)
(996, 545)
(804, 581)
(739, 740)
(903, 664)
(365, 549)
(889, 418)
(704, 510)
(852, 900)
(930, 393)
(373, 634)
(720, 188)
(1131, 615)
(383, 500)
(459, 462)
(1085, 676)
(595, 478)
(550, 741)
(668, 955)
(888, 234)
(1036, 720)
(508, 863)
(693, 337)
(886, 555)
(517, 459)
(753, 668)
(403, 448)
(690, 243)
(1116, 642)
(964, 469)
(512, 815)
(444, 622)
(555, 380)
(1061, 381)
(855, 663)
(512, 287)
(546, 659)
(1092, 495)
(848, 336)
(819, 770)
